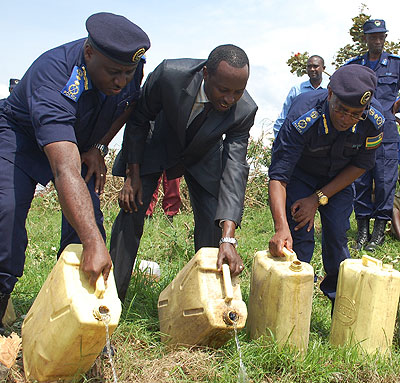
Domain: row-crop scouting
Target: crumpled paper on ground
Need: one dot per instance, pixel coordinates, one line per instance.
(9, 348)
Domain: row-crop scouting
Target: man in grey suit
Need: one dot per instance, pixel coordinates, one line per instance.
(203, 117)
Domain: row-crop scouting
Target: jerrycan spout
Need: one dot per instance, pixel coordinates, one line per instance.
(230, 317)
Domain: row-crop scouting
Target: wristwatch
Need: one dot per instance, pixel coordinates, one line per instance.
(230, 240)
(103, 149)
(322, 198)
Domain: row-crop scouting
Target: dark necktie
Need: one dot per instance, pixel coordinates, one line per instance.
(197, 123)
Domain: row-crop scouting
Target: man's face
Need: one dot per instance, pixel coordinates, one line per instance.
(375, 42)
(315, 68)
(342, 116)
(225, 87)
(107, 76)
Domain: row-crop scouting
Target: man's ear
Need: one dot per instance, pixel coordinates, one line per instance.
(329, 93)
(88, 51)
(205, 73)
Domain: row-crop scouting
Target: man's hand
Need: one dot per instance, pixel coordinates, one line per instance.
(282, 238)
(96, 260)
(130, 192)
(303, 211)
(96, 166)
(228, 254)
(227, 251)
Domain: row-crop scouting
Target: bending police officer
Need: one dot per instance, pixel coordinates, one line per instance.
(63, 112)
(327, 141)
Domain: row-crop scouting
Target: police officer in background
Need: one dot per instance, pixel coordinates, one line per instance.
(327, 141)
(13, 84)
(380, 180)
(55, 124)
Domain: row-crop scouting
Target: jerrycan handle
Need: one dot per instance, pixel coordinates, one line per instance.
(366, 260)
(226, 275)
(290, 255)
(100, 287)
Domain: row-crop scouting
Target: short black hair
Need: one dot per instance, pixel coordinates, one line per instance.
(317, 57)
(231, 54)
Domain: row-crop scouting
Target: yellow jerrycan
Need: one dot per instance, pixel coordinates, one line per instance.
(63, 332)
(366, 303)
(280, 301)
(201, 305)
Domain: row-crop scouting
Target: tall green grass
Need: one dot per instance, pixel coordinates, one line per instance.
(141, 357)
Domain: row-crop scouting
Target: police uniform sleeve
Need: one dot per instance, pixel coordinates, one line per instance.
(286, 150)
(373, 125)
(52, 115)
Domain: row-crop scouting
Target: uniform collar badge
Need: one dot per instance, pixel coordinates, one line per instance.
(138, 55)
(77, 84)
(365, 97)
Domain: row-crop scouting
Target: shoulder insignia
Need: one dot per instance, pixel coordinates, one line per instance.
(376, 118)
(395, 56)
(352, 59)
(303, 123)
(373, 142)
(77, 84)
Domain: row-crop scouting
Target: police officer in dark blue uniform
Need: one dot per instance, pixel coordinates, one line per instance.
(384, 175)
(64, 111)
(327, 141)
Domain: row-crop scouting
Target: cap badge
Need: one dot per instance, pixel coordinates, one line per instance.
(366, 97)
(377, 23)
(138, 55)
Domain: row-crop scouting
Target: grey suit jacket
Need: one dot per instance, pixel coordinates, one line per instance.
(216, 156)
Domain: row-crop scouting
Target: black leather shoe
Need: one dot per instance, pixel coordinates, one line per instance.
(378, 235)
(362, 234)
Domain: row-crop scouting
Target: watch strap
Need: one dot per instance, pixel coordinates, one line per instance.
(230, 240)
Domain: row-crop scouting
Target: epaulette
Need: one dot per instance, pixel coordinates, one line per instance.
(376, 117)
(77, 84)
(352, 59)
(303, 123)
(393, 55)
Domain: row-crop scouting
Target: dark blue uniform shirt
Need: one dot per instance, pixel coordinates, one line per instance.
(56, 101)
(309, 143)
(388, 73)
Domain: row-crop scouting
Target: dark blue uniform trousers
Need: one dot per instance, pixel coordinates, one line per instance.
(385, 176)
(16, 193)
(128, 228)
(17, 190)
(335, 223)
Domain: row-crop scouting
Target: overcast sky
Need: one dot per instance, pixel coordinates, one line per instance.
(268, 30)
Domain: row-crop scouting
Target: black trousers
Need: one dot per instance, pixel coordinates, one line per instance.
(128, 228)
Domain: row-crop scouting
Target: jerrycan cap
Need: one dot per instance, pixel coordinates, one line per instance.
(296, 266)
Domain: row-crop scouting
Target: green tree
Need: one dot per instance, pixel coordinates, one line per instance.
(298, 62)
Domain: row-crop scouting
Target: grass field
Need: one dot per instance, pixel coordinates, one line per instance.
(141, 357)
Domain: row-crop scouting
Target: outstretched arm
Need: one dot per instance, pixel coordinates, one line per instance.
(77, 207)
